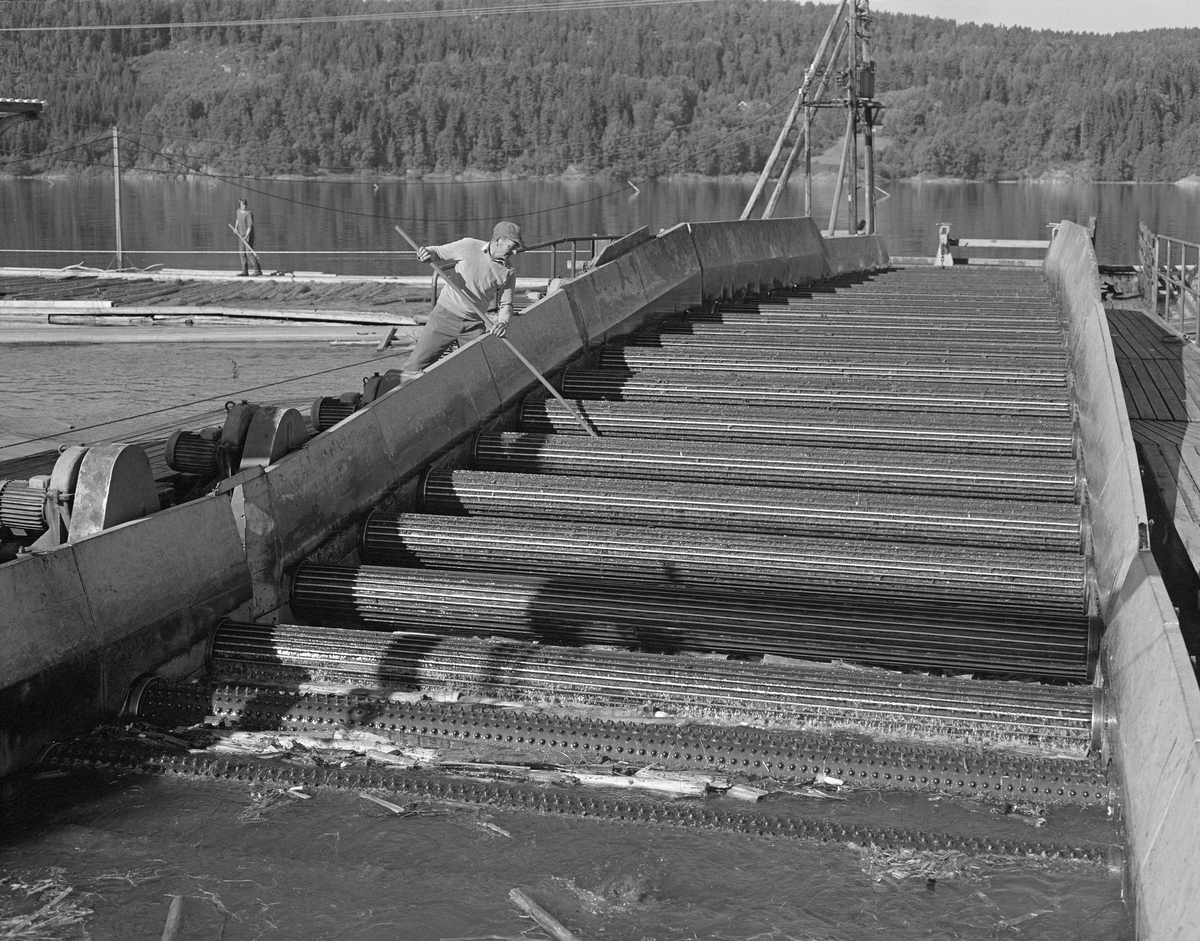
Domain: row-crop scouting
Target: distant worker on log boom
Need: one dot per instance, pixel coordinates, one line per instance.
(487, 271)
(243, 225)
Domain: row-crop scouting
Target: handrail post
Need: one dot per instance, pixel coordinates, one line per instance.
(1183, 287)
(1154, 275)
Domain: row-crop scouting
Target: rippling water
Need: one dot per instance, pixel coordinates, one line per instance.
(55, 394)
(348, 227)
(340, 867)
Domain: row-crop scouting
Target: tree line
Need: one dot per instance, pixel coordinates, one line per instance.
(638, 92)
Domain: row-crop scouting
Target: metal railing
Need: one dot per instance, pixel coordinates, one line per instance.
(592, 244)
(997, 251)
(1169, 279)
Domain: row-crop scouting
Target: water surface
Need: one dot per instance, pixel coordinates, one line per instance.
(348, 227)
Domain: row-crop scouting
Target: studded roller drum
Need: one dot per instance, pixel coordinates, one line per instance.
(1060, 718)
(795, 757)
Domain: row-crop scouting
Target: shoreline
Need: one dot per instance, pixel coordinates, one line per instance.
(1047, 177)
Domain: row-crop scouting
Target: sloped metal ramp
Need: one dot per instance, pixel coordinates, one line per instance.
(859, 516)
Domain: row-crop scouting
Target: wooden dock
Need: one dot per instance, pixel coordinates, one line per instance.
(1160, 375)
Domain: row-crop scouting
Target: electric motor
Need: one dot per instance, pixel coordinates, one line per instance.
(23, 505)
(329, 410)
(193, 452)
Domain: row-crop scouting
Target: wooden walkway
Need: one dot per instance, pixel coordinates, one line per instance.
(1160, 373)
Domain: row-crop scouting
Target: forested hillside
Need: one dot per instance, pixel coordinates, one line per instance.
(642, 92)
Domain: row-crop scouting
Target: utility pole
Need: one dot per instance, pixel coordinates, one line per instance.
(852, 117)
(117, 195)
(870, 108)
(857, 76)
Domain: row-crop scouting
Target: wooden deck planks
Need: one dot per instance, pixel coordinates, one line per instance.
(1161, 378)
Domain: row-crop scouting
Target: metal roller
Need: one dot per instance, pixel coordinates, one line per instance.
(989, 476)
(577, 612)
(887, 316)
(834, 428)
(533, 736)
(927, 288)
(1025, 713)
(753, 389)
(1047, 582)
(960, 309)
(847, 514)
(970, 368)
(814, 342)
(937, 333)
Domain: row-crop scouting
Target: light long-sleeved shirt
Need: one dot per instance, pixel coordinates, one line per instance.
(489, 281)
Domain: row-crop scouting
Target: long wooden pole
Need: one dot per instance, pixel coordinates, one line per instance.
(117, 196)
(452, 278)
(791, 118)
(852, 96)
(803, 140)
(249, 247)
(837, 190)
(868, 124)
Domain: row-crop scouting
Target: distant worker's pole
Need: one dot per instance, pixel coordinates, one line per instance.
(117, 196)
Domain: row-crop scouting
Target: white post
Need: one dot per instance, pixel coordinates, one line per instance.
(117, 196)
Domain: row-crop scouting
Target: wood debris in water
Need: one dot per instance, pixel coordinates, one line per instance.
(43, 908)
(262, 803)
(929, 865)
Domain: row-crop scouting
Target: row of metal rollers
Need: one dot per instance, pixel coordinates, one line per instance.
(719, 511)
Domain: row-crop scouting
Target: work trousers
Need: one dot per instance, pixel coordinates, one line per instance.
(246, 256)
(441, 331)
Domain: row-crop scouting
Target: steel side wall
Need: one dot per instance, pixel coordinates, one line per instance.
(47, 636)
(1152, 691)
(849, 253)
(1110, 461)
(758, 255)
(1151, 685)
(548, 332)
(83, 621)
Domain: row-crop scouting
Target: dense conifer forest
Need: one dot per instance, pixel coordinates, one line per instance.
(687, 88)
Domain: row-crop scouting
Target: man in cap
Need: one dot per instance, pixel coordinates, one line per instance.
(487, 270)
(243, 225)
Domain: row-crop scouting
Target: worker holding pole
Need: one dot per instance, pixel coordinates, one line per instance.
(243, 225)
(488, 275)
